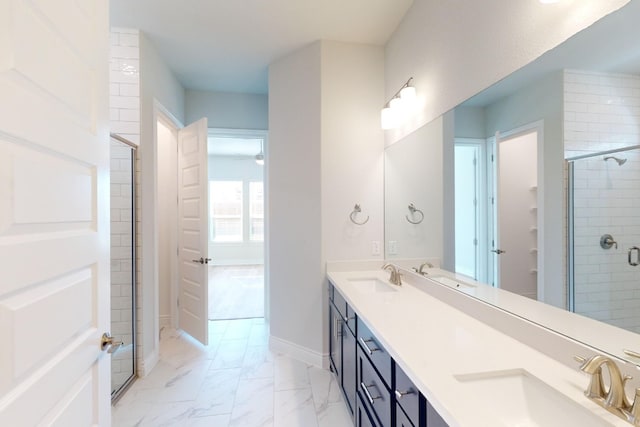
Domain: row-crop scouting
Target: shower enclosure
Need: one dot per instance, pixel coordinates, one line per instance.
(123, 264)
(604, 236)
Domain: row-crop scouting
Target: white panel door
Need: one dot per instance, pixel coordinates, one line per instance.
(54, 213)
(517, 214)
(193, 235)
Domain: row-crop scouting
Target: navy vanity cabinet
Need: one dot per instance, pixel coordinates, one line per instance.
(408, 398)
(373, 391)
(379, 357)
(342, 345)
(349, 366)
(335, 339)
(433, 418)
(363, 418)
(401, 418)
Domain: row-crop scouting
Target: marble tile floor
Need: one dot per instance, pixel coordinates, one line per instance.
(234, 381)
(236, 292)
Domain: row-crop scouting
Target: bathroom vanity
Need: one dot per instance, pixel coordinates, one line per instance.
(428, 353)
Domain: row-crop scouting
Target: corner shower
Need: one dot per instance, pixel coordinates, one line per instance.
(603, 269)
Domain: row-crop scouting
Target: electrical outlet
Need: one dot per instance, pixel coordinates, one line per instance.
(393, 247)
(375, 247)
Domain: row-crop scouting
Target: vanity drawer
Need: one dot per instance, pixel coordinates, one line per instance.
(407, 395)
(374, 350)
(401, 418)
(373, 391)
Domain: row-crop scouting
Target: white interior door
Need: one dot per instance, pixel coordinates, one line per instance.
(193, 235)
(54, 213)
(517, 214)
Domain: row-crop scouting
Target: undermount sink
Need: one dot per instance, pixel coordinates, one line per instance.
(371, 284)
(519, 399)
(452, 283)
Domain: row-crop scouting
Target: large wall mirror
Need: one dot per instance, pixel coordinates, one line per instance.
(546, 181)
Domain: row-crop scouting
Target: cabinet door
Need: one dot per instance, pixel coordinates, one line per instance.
(363, 419)
(349, 367)
(407, 395)
(401, 418)
(433, 418)
(335, 341)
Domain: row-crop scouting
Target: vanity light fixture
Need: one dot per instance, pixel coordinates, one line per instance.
(395, 111)
(260, 156)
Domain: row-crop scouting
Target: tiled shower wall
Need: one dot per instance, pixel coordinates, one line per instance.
(124, 102)
(602, 112)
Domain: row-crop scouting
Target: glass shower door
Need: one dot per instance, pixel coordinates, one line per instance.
(604, 226)
(123, 265)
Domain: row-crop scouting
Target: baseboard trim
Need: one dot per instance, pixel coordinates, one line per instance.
(148, 363)
(165, 321)
(298, 352)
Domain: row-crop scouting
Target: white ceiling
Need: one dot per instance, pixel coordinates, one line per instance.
(227, 45)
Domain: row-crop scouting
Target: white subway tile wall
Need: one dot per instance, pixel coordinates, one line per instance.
(124, 91)
(602, 112)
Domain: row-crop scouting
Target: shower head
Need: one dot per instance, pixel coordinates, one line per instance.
(620, 161)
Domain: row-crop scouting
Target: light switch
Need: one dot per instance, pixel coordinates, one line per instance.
(393, 247)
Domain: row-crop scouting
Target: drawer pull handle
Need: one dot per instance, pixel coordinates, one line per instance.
(365, 389)
(401, 394)
(366, 347)
(337, 329)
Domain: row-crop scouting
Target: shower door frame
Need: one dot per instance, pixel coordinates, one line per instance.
(571, 303)
(117, 394)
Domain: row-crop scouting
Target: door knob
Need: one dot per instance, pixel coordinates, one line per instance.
(206, 260)
(202, 260)
(108, 342)
(498, 251)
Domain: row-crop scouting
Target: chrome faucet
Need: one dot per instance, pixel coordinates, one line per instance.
(420, 270)
(396, 277)
(614, 399)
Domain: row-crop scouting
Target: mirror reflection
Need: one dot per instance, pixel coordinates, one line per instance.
(547, 179)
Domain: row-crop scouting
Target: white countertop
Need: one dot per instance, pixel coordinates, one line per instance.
(433, 342)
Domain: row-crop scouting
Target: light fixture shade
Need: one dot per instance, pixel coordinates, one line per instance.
(408, 95)
(260, 158)
(387, 118)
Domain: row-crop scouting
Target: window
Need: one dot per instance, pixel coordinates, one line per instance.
(225, 198)
(256, 212)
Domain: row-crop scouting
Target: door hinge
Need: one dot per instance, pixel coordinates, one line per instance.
(493, 200)
(178, 302)
(475, 242)
(475, 202)
(475, 161)
(492, 157)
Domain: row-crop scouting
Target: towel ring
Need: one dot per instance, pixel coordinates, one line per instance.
(413, 210)
(357, 210)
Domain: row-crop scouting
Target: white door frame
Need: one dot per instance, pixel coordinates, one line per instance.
(264, 134)
(537, 126)
(162, 114)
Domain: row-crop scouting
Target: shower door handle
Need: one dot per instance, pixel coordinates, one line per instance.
(637, 258)
(498, 251)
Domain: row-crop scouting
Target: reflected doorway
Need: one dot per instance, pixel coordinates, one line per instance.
(236, 224)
